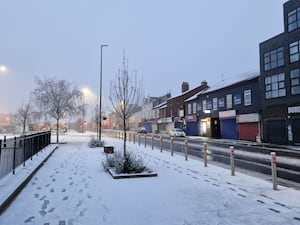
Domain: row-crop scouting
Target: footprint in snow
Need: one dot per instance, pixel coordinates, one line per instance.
(29, 219)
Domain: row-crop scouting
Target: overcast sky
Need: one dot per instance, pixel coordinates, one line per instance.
(166, 41)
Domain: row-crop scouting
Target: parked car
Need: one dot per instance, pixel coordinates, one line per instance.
(142, 130)
(176, 132)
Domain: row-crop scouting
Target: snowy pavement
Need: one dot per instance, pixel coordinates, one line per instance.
(72, 188)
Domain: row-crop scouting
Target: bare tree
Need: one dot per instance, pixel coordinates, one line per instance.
(23, 116)
(83, 110)
(57, 98)
(126, 94)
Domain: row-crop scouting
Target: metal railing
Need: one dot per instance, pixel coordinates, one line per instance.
(15, 151)
(227, 156)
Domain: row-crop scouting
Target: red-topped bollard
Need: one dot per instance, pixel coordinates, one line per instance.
(139, 139)
(152, 141)
(274, 170)
(172, 146)
(232, 160)
(205, 154)
(186, 149)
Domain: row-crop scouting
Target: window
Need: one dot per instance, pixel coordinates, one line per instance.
(209, 105)
(189, 109)
(199, 108)
(221, 102)
(294, 19)
(275, 86)
(229, 101)
(294, 51)
(295, 81)
(215, 103)
(194, 107)
(274, 59)
(247, 97)
(204, 105)
(237, 99)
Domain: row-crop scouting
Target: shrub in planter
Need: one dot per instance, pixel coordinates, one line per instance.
(128, 164)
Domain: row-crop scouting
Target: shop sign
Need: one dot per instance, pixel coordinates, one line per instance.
(294, 109)
(227, 114)
(191, 118)
(248, 118)
(165, 120)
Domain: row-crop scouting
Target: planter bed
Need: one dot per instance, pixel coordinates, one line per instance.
(115, 175)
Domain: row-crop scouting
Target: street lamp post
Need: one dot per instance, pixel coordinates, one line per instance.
(100, 95)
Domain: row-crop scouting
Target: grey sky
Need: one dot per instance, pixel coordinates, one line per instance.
(166, 41)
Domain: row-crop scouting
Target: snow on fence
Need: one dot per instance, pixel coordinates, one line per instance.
(15, 151)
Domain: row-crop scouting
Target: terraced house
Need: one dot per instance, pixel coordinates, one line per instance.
(229, 109)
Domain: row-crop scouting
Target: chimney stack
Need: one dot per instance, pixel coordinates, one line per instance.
(185, 86)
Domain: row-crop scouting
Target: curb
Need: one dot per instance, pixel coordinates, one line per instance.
(11, 196)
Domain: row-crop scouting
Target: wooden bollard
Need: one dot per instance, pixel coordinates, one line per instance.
(161, 143)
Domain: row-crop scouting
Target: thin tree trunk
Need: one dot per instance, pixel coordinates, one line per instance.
(57, 128)
(124, 144)
(24, 126)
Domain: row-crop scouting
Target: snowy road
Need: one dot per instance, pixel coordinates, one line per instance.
(72, 188)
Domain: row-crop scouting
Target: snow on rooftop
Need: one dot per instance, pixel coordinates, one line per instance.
(232, 80)
(226, 83)
(161, 105)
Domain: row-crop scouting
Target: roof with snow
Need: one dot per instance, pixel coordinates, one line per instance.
(161, 105)
(226, 83)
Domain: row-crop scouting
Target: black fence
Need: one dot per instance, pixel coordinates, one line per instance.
(15, 151)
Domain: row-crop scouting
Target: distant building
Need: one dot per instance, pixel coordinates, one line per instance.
(150, 112)
(280, 80)
(6, 124)
(174, 110)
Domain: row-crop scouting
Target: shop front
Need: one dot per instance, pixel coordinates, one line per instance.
(228, 124)
(192, 125)
(249, 126)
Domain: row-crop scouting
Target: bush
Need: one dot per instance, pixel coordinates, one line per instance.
(128, 164)
(93, 143)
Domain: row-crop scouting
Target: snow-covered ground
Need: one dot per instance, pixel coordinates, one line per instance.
(72, 188)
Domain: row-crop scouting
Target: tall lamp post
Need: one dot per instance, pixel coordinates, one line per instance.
(100, 95)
